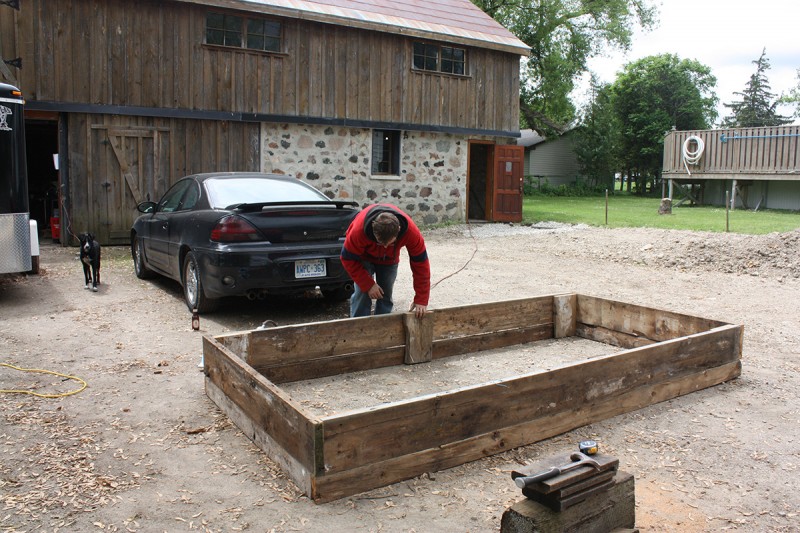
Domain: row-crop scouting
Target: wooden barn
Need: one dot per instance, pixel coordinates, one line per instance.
(410, 103)
(756, 167)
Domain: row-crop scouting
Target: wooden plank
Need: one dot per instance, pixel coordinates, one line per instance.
(265, 407)
(419, 338)
(367, 436)
(565, 318)
(82, 77)
(118, 87)
(333, 366)
(614, 338)
(653, 324)
(134, 36)
(303, 73)
(339, 81)
(305, 342)
(335, 485)
(467, 320)
(492, 340)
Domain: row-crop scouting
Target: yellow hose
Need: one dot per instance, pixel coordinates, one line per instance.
(40, 371)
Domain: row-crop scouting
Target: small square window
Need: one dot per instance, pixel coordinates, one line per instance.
(386, 152)
(243, 32)
(436, 58)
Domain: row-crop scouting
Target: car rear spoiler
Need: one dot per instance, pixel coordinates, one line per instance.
(260, 206)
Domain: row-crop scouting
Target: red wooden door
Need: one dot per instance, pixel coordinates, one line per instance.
(507, 194)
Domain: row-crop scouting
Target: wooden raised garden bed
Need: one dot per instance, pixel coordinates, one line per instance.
(664, 355)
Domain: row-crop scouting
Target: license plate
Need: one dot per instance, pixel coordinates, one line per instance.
(310, 268)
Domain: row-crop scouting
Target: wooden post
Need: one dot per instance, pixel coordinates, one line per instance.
(670, 189)
(419, 338)
(565, 315)
(606, 207)
(733, 195)
(727, 214)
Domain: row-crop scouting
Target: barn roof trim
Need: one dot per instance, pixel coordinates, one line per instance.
(458, 21)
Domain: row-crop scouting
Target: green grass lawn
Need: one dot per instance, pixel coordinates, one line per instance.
(626, 211)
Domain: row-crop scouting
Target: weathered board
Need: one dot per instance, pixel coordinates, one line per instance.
(330, 457)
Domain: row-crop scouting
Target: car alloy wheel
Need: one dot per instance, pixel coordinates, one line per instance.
(193, 287)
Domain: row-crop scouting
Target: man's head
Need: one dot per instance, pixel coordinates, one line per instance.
(386, 227)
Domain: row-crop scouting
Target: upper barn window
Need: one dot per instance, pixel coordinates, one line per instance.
(243, 32)
(440, 58)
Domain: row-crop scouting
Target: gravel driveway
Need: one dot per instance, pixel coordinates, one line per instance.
(143, 449)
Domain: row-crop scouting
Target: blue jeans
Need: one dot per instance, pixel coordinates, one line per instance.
(361, 303)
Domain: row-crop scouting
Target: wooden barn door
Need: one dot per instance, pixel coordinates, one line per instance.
(136, 159)
(507, 194)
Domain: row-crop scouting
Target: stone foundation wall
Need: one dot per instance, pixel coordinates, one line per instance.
(431, 186)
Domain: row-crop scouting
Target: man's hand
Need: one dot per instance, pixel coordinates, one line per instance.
(375, 292)
(419, 310)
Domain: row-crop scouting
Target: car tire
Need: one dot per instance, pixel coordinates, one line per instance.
(193, 288)
(142, 272)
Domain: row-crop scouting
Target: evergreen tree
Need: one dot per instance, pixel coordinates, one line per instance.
(758, 104)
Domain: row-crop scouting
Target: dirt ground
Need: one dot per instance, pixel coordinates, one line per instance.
(142, 448)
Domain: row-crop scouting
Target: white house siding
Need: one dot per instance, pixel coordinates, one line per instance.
(431, 185)
(553, 163)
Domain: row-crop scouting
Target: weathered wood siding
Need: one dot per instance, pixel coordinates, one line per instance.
(151, 54)
(116, 162)
(769, 153)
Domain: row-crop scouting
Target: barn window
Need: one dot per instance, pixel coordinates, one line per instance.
(243, 32)
(440, 58)
(386, 152)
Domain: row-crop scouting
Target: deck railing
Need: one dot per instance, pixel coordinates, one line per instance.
(767, 153)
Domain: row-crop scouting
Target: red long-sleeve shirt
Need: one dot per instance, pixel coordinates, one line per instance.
(361, 245)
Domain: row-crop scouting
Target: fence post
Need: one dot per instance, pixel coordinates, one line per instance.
(727, 212)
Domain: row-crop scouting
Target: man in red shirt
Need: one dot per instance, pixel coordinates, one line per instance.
(372, 248)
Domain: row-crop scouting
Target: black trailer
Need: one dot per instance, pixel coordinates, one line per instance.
(19, 242)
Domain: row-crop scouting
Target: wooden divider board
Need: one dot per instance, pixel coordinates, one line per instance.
(347, 453)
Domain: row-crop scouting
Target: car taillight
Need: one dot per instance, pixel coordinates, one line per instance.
(234, 229)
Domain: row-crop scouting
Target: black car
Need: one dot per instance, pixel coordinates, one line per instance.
(240, 233)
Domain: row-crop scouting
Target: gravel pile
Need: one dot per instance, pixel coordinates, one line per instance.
(775, 255)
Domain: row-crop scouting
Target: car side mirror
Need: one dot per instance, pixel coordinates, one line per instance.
(146, 207)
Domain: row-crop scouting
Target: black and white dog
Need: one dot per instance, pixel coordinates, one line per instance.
(90, 259)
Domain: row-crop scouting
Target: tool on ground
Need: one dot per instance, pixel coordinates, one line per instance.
(588, 447)
(578, 459)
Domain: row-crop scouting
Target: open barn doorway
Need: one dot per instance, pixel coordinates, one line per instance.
(479, 181)
(41, 147)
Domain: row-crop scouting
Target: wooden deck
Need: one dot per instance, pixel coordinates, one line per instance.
(736, 154)
(749, 158)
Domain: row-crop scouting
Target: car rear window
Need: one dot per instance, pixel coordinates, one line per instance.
(225, 192)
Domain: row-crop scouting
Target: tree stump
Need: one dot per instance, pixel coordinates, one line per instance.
(666, 207)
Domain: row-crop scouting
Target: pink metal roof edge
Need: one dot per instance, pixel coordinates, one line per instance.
(466, 21)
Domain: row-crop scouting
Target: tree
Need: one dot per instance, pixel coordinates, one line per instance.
(652, 96)
(758, 105)
(596, 139)
(562, 35)
(793, 98)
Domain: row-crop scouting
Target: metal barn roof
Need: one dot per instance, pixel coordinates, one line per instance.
(457, 21)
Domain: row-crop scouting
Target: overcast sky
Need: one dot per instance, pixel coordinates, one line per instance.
(726, 36)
